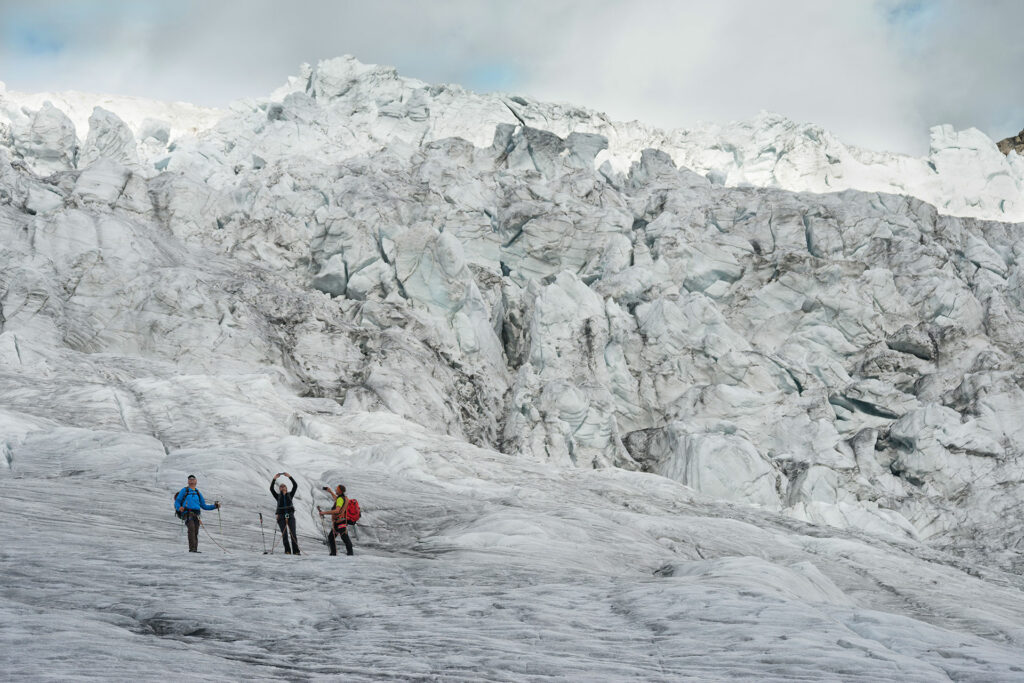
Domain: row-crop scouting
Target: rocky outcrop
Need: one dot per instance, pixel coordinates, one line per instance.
(1013, 144)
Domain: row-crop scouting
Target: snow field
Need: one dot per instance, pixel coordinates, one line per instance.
(472, 565)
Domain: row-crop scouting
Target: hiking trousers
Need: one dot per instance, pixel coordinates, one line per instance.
(286, 523)
(339, 530)
(192, 523)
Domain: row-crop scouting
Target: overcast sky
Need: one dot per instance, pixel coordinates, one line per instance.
(876, 72)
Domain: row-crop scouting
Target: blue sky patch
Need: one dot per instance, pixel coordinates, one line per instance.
(32, 39)
(491, 77)
(912, 16)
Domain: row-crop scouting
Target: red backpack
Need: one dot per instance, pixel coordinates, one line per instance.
(352, 513)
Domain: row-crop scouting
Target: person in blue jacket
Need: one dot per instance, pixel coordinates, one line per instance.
(189, 504)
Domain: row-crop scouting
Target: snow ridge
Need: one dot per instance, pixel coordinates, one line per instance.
(965, 174)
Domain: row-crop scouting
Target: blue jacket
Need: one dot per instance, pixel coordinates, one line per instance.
(192, 500)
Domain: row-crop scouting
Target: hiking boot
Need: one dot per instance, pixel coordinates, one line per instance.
(287, 552)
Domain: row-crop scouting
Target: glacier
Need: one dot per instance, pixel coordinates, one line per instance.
(618, 402)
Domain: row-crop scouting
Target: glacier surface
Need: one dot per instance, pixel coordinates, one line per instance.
(735, 401)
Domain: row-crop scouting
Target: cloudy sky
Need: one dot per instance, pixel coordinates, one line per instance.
(876, 72)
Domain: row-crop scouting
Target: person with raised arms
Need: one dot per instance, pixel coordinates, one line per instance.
(286, 512)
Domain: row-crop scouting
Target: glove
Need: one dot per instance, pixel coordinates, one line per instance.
(216, 504)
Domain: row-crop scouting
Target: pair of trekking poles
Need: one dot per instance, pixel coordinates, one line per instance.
(263, 536)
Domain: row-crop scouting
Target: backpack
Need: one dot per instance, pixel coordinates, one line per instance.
(178, 513)
(352, 513)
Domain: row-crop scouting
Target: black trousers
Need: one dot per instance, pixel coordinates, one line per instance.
(286, 522)
(192, 523)
(339, 530)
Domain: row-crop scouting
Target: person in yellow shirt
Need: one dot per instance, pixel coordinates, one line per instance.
(339, 525)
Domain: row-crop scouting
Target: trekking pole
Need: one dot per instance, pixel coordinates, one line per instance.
(220, 528)
(262, 535)
(323, 528)
(317, 519)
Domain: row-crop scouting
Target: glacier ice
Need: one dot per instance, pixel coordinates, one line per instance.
(734, 377)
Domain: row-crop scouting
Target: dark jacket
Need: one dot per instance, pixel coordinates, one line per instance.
(284, 500)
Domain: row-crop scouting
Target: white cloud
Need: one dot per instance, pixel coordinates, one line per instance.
(876, 73)
(831, 63)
